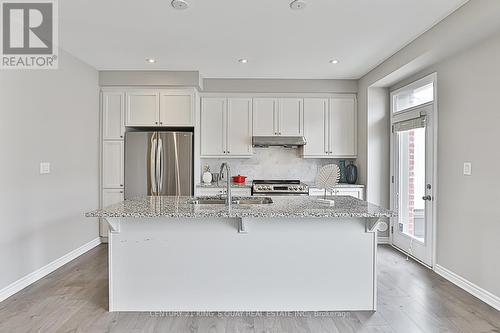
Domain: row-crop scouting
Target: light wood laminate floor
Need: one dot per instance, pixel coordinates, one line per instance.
(411, 299)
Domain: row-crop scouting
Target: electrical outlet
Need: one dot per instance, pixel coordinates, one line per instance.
(467, 168)
(44, 168)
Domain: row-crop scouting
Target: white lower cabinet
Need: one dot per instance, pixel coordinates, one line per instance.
(110, 196)
(354, 191)
(213, 191)
(226, 127)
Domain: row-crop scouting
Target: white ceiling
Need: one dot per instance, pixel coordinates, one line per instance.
(211, 35)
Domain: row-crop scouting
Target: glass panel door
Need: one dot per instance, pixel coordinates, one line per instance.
(412, 186)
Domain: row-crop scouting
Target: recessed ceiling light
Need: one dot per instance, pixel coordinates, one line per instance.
(297, 4)
(151, 60)
(243, 61)
(179, 4)
(333, 61)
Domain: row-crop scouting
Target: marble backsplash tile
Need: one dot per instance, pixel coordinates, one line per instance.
(272, 163)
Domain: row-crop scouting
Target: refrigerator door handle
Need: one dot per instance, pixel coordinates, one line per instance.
(152, 163)
(159, 165)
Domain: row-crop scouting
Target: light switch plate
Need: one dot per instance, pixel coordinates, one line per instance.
(467, 168)
(44, 168)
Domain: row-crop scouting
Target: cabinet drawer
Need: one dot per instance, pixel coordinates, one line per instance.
(357, 192)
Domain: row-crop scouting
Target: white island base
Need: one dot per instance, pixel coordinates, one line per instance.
(250, 264)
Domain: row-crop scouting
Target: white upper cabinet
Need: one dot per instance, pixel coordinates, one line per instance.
(112, 164)
(330, 127)
(213, 126)
(265, 116)
(316, 127)
(291, 117)
(226, 127)
(143, 108)
(278, 116)
(166, 107)
(113, 115)
(176, 108)
(239, 126)
(343, 126)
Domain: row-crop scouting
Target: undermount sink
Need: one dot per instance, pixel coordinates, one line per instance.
(235, 201)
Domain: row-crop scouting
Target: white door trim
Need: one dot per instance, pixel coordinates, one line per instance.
(433, 107)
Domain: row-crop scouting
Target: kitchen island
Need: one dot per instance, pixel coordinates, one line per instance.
(294, 254)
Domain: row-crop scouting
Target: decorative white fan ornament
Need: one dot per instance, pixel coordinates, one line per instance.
(328, 177)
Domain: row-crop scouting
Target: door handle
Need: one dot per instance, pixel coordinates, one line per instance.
(427, 198)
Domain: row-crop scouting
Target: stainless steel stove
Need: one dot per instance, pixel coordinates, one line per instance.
(279, 187)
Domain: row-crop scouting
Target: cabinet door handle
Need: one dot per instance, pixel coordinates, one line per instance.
(228, 151)
(161, 123)
(121, 191)
(156, 123)
(121, 185)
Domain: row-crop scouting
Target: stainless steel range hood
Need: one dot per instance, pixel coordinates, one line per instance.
(284, 141)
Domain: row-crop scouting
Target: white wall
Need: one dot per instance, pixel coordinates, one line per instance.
(47, 115)
(472, 22)
(280, 86)
(468, 71)
(468, 225)
(378, 148)
(115, 78)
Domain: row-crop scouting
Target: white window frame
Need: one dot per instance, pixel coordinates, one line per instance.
(432, 78)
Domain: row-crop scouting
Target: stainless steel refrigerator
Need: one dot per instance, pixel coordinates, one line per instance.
(158, 163)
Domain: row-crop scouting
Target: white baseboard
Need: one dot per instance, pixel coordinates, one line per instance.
(383, 240)
(469, 287)
(25, 281)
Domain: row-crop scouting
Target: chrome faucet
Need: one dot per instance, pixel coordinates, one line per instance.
(228, 181)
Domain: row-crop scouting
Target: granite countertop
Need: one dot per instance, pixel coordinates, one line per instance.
(292, 207)
(222, 184)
